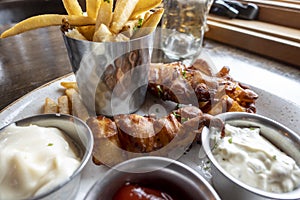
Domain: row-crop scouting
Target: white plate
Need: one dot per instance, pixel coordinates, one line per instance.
(268, 104)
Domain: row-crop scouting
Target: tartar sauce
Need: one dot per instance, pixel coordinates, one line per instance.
(252, 159)
(33, 160)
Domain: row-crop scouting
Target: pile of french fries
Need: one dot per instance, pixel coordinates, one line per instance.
(68, 103)
(103, 21)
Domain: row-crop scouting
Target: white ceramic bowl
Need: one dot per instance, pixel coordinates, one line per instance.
(172, 177)
(82, 137)
(285, 139)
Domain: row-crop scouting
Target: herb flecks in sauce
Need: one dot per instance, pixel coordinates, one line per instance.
(252, 159)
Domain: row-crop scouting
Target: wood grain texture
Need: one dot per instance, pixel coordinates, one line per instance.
(271, 43)
(30, 60)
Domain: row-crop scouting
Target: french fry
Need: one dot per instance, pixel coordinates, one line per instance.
(105, 13)
(120, 38)
(72, 7)
(74, 33)
(78, 109)
(130, 27)
(87, 31)
(68, 85)
(63, 105)
(150, 24)
(45, 20)
(144, 6)
(147, 15)
(92, 7)
(69, 92)
(122, 12)
(103, 34)
(50, 106)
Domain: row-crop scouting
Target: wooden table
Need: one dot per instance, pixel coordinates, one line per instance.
(29, 60)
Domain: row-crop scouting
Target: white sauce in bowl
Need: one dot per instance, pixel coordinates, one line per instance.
(33, 160)
(252, 159)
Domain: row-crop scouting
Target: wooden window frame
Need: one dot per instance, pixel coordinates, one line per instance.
(275, 33)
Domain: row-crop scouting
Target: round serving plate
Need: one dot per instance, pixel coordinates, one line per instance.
(268, 104)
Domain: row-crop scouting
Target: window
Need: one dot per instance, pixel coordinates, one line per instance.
(275, 33)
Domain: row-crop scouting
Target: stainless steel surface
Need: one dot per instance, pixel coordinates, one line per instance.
(281, 136)
(164, 174)
(112, 76)
(82, 137)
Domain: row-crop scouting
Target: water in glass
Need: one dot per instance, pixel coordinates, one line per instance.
(183, 27)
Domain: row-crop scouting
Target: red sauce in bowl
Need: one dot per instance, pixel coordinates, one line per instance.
(136, 192)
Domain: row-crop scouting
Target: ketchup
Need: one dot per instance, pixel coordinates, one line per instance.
(136, 192)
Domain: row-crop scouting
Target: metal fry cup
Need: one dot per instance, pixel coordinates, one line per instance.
(112, 76)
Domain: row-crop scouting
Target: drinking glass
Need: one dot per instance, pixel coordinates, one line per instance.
(183, 27)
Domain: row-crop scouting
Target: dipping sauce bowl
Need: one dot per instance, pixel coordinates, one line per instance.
(280, 136)
(80, 137)
(162, 174)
